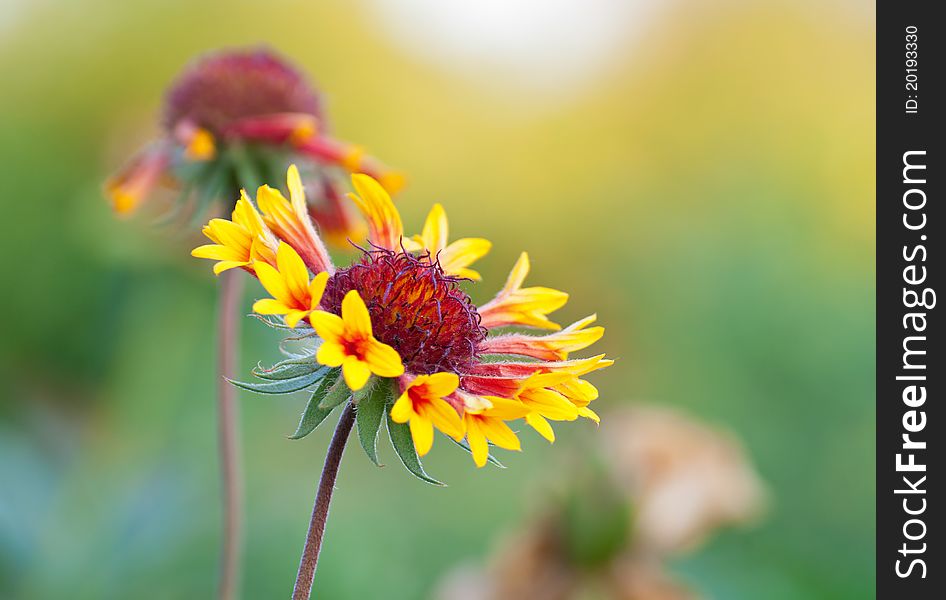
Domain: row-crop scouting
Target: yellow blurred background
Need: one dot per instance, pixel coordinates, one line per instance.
(700, 174)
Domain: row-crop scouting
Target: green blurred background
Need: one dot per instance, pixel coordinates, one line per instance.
(700, 174)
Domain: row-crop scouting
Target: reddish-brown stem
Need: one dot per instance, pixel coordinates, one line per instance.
(313, 540)
(228, 332)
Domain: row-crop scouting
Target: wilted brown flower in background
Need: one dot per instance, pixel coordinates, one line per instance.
(684, 478)
(664, 483)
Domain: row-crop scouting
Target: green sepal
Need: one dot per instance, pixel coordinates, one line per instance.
(369, 411)
(337, 392)
(177, 208)
(209, 187)
(245, 167)
(283, 386)
(314, 413)
(403, 443)
(289, 369)
(271, 322)
(489, 457)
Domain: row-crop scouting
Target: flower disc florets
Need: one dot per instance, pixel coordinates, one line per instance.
(415, 308)
(221, 88)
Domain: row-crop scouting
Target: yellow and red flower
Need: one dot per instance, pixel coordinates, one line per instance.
(247, 107)
(348, 342)
(400, 313)
(554, 346)
(294, 296)
(422, 405)
(289, 220)
(525, 307)
(486, 422)
(240, 242)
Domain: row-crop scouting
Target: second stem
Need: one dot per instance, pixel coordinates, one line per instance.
(231, 475)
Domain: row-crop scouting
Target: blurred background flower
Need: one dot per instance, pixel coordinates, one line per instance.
(661, 485)
(234, 119)
(701, 171)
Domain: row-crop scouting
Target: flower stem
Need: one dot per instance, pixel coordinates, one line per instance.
(228, 331)
(313, 540)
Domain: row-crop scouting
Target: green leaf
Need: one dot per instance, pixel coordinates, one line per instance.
(283, 386)
(489, 457)
(289, 369)
(337, 393)
(400, 435)
(313, 415)
(369, 412)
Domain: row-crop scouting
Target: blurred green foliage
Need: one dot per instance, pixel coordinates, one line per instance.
(711, 198)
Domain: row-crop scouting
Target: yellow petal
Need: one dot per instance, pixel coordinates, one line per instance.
(296, 189)
(578, 391)
(549, 404)
(526, 307)
(330, 327)
(293, 316)
(331, 354)
(383, 360)
(439, 385)
(355, 372)
(217, 252)
(246, 215)
(500, 434)
(422, 431)
(586, 412)
(444, 417)
(230, 234)
(542, 299)
(294, 273)
(316, 289)
(506, 409)
(274, 205)
(274, 283)
(262, 251)
(518, 274)
(384, 221)
(467, 273)
(270, 306)
(403, 409)
(460, 254)
(434, 234)
(473, 403)
(582, 323)
(355, 315)
(478, 446)
(552, 378)
(413, 244)
(226, 265)
(541, 425)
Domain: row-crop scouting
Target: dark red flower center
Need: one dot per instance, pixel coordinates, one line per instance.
(222, 87)
(415, 308)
